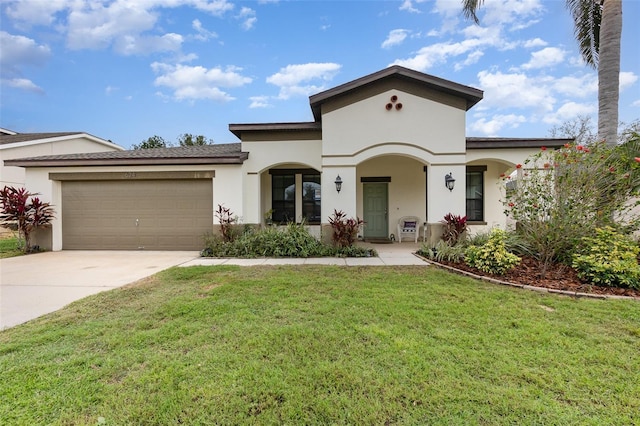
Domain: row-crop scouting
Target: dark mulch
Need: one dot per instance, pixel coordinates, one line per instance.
(559, 277)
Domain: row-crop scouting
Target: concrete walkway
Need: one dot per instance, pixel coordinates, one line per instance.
(34, 285)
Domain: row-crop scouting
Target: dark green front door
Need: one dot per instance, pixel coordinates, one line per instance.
(375, 198)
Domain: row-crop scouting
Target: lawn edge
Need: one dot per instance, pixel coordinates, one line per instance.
(575, 294)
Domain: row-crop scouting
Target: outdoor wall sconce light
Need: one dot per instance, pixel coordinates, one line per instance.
(449, 181)
(338, 183)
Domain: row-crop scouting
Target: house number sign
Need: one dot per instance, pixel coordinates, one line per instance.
(130, 175)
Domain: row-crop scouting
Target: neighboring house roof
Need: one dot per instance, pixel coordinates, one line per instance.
(499, 143)
(7, 132)
(206, 154)
(24, 139)
(470, 94)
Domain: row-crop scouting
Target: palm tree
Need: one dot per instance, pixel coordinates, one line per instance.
(598, 30)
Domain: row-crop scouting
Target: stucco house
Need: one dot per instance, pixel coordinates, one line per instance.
(390, 139)
(19, 145)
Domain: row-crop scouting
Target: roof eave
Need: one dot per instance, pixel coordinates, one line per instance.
(128, 161)
(472, 95)
(502, 143)
(306, 126)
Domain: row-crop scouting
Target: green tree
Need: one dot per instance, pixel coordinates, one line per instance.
(598, 31)
(154, 141)
(187, 139)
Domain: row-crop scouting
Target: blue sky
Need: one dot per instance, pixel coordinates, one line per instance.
(126, 70)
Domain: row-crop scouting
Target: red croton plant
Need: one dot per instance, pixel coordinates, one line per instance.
(25, 210)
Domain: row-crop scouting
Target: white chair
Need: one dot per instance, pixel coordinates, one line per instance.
(408, 226)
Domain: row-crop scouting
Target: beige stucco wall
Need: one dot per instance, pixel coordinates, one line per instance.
(421, 122)
(424, 131)
(227, 187)
(15, 176)
(406, 189)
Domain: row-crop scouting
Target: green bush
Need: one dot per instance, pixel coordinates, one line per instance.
(443, 251)
(492, 257)
(609, 259)
(293, 240)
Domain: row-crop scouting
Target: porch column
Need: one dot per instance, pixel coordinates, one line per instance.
(251, 199)
(441, 199)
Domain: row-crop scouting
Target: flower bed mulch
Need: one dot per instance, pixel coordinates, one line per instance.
(558, 277)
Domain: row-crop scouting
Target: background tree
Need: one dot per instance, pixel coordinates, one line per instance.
(598, 31)
(187, 139)
(154, 141)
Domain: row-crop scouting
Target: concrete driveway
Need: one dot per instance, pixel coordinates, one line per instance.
(34, 285)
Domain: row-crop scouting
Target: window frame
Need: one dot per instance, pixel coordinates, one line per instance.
(475, 170)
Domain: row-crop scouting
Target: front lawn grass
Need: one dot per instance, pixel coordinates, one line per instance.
(9, 247)
(324, 345)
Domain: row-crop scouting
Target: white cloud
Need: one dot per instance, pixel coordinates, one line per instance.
(18, 51)
(23, 84)
(292, 78)
(493, 126)
(395, 38)
(197, 82)
(547, 57)
(37, 12)
(568, 111)
(627, 79)
(438, 53)
(577, 86)
(110, 89)
(471, 59)
(248, 17)
(515, 90)
(144, 45)
(407, 5)
(536, 42)
(518, 12)
(121, 23)
(259, 102)
(203, 33)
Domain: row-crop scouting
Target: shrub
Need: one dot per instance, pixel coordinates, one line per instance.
(492, 257)
(454, 228)
(610, 258)
(345, 231)
(227, 223)
(560, 195)
(26, 210)
(443, 251)
(292, 240)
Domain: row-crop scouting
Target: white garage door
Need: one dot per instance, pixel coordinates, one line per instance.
(131, 215)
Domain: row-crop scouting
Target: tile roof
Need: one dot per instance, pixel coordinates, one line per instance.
(206, 154)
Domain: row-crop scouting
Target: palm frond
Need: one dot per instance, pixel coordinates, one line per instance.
(470, 8)
(587, 16)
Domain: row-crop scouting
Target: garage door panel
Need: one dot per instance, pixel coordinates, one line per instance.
(170, 215)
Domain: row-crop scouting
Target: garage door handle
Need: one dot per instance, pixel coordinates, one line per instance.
(137, 222)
